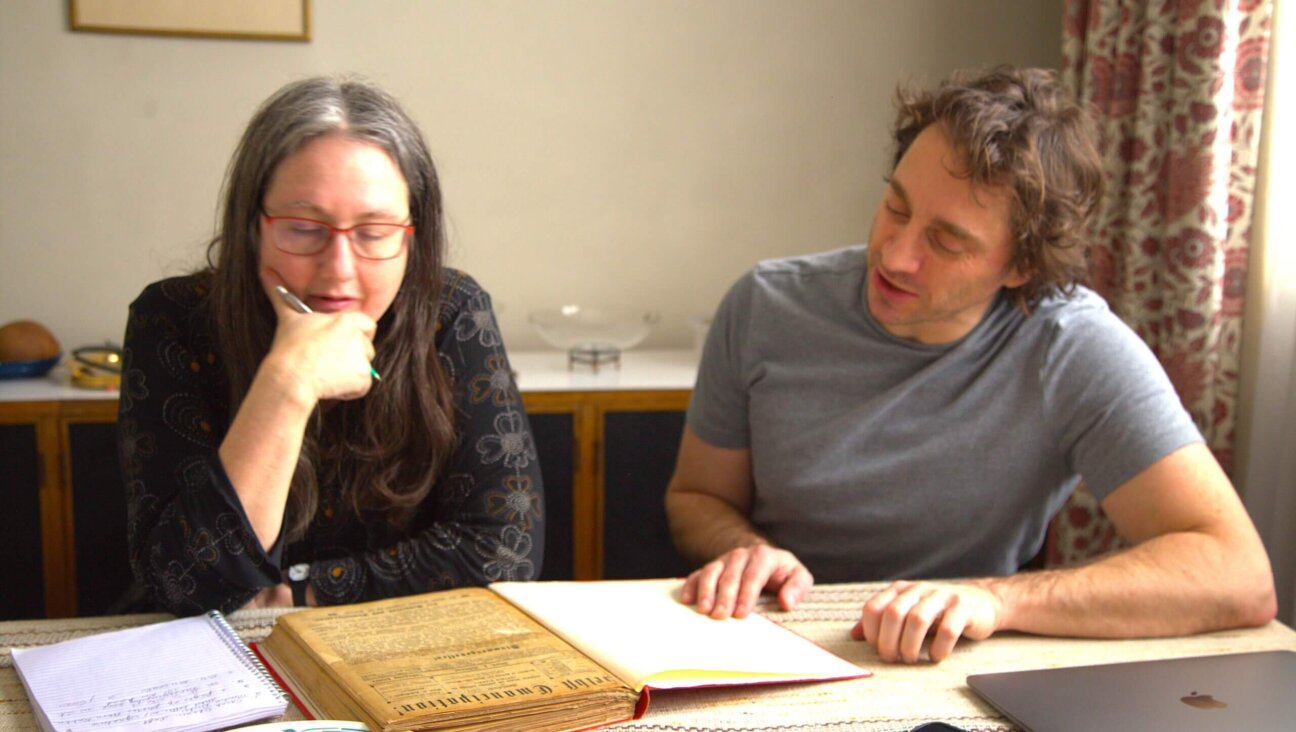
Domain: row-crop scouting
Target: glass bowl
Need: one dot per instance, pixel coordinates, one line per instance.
(592, 334)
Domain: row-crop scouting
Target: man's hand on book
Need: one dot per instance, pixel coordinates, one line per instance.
(731, 584)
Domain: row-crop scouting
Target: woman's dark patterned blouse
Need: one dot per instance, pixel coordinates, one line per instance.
(191, 544)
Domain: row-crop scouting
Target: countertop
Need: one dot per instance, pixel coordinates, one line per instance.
(537, 371)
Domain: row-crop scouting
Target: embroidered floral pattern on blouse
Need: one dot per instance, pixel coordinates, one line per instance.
(478, 321)
(135, 445)
(507, 557)
(517, 503)
(446, 536)
(191, 544)
(495, 384)
(176, 585)
(185, 415)
(133, 386)
(511, 442)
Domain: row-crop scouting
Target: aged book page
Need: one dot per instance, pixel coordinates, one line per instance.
(639, 630)
(461, 659)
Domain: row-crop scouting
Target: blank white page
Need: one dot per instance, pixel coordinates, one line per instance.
(639, 630)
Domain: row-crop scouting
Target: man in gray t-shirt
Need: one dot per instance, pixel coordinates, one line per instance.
(918, 408)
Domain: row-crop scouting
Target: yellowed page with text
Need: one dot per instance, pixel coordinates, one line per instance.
(443, 659)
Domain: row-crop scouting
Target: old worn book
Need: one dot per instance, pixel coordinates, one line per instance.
(526, 655)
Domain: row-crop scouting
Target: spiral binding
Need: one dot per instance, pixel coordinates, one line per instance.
(244, 654)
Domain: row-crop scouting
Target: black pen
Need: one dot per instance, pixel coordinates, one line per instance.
(296, 304)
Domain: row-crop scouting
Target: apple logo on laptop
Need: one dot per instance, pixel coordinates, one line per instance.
(1202, 701)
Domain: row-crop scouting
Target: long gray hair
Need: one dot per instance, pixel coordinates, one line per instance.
(386, 450)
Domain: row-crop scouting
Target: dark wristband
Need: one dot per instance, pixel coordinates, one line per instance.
(298, 576)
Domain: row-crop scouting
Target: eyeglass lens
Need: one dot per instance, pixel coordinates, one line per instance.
(306, 236)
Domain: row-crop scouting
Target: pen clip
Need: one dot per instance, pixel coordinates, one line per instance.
(293, 301)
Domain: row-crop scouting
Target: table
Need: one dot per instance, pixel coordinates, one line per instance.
(896, 697)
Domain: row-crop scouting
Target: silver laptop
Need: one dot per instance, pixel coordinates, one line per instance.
(1247, 692)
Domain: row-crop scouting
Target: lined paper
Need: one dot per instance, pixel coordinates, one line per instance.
(175, 675)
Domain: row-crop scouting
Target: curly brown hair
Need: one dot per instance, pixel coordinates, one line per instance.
(1018, 128)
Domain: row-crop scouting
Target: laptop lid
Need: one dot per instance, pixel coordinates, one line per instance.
(1241, 691)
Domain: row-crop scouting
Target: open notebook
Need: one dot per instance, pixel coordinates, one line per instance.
(188, 674)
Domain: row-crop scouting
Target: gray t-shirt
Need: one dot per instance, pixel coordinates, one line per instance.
(879, 458)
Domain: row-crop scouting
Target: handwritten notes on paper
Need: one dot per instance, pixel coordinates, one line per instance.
(137, 708)
(188, 674)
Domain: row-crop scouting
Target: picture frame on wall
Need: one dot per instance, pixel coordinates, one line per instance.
(279, 20)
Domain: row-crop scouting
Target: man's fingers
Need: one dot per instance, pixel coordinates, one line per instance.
(729, 583)
(705, 585)
(763, 570)
(952, 623)
(919, 621)
(857, 631)
(795, 588)
(893, 622)
(875, 606)
(899, 620)
(688, 593)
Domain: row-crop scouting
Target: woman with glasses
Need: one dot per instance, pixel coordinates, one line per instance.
(324, 414)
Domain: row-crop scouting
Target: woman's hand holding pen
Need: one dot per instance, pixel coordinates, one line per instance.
(320, 355)
(313, 356)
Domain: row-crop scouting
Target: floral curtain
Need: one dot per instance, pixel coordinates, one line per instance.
(1178, 90)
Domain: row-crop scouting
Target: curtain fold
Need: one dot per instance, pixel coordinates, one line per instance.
(1267, 418)
(1178, 89)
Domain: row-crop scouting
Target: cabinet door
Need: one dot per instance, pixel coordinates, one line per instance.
(553, 440)
(639, 451)
(21, 571)
(99, 517)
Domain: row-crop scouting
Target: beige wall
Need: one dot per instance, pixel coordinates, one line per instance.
(640, 151)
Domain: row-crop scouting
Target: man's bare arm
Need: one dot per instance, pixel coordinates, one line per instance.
(1197, 564)
(707, 504)
(708, 498)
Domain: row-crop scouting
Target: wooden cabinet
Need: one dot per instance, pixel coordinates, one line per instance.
(606, 444)
(22, 575)
(64, 510)
(637, 460)
(604, 490)
(556, 446)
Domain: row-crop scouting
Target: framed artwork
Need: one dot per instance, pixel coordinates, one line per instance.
(285, 20)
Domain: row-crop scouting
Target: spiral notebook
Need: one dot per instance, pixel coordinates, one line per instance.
(187, 674)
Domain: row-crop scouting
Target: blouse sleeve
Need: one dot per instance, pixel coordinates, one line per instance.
(488, 521)
(191, 545)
